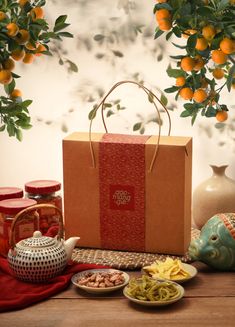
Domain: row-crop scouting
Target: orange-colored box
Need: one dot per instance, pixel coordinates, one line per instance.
(119, 203)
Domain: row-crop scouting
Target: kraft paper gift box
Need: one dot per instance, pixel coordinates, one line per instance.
(120, 204)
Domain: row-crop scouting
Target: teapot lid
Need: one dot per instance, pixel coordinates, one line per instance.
(37, 241)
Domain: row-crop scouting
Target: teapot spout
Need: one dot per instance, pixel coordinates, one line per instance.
(69, 245)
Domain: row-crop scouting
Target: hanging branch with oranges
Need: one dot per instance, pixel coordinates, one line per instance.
(207, 63)
(24, 36)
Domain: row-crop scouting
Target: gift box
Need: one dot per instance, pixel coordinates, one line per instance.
(137, 196)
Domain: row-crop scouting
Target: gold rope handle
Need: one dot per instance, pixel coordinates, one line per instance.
(21, 214)
(101, 104)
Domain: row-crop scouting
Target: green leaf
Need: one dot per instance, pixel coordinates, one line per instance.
(160, 6)
(230, 78)
(60, 27)
(2, 128)
(193, 118)
(164, 99)
(168, 36)
(192, 40)
(179, 46)
(222, 5)
(92, 113)
(26, 103)
(185, 113)
(171, 89)
(137, 126)
(210, 112)
(10, 87)
(175, 72)
(158, 33)
(177, 57)
(65, 34)
(61, 19)
(11, 129)
(19, 135)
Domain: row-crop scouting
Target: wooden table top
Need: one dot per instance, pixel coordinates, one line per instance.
(209, 300)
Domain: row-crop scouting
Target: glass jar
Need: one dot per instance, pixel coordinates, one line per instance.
(46, 191)
(24, 229)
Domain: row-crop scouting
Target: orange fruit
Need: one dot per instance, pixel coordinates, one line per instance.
(187, 64)
(227, 45)
(189, 32)
(30, 46)
(40, 48)
(12, 29)
(219, 57)
(28, 58)
(199, 95)
(162, 13)
(5, 76)
(208, 32)
(37, 13)
(221, 116)
(186, 93)
(165, 24)
(201, 44)
(16, 93)
(22, 3)
(232, 2)
(161, 1)
(199, 63)
(2, 15)
(9, 64)
(180, 81)
(18, 54)
(22, 37)
(218, 73)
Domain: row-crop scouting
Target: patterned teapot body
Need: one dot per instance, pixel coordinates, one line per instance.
(39, 258)
(216, 244)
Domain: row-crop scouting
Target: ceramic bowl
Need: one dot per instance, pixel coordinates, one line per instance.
(187, 267)
(156, 303)
(75, 278)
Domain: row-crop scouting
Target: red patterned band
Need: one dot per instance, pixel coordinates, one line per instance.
(122, 191)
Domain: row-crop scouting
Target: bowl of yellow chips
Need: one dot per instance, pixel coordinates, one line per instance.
(170, 269)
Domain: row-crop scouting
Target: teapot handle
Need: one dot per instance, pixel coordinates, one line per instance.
(35, 207)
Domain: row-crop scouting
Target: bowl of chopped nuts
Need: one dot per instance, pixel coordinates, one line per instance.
(100, 280)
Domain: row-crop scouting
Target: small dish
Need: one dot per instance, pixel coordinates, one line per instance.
(95, 290)
(156, 303)
(187, 267)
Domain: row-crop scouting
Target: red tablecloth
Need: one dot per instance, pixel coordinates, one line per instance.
(16, 294)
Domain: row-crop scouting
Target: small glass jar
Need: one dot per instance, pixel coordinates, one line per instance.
(24, 229)
(46, 192)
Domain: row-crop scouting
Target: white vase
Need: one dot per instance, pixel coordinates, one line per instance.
(215, 195)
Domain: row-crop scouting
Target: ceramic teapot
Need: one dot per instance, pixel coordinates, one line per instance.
(216, 243)
(39, 258)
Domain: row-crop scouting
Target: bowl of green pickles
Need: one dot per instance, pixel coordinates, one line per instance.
(148, 291)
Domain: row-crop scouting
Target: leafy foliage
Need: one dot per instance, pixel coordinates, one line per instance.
(207, 62)
(24, 35)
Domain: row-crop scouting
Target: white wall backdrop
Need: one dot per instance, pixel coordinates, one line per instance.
(62, 101)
